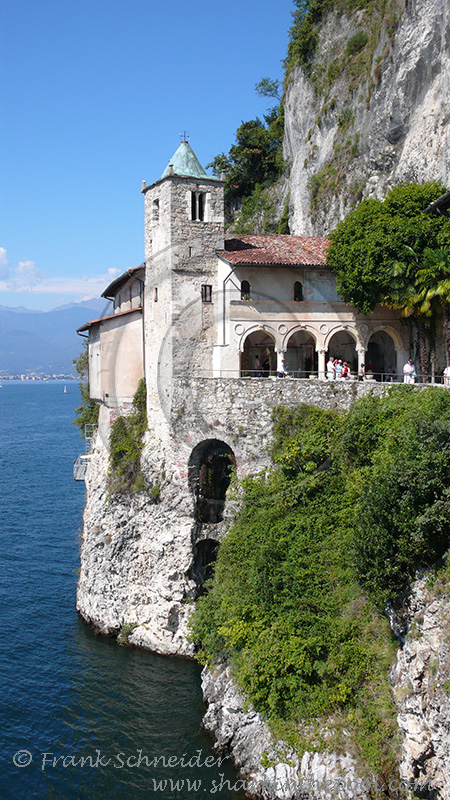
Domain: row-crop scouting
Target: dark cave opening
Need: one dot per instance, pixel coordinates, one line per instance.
(205, 555)
(210, 470)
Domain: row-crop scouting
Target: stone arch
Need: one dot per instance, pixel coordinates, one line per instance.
(343, 342)
(392, 332)
(210, 467)
(381, 353)
(258, 346)
(309, 329)
(300, 349)
(345, 329)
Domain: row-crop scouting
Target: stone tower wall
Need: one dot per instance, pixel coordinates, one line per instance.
(180, 258)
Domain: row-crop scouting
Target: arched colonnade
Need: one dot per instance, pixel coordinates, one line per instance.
(305, 348)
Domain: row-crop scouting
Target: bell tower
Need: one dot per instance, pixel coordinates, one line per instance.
(184, 229)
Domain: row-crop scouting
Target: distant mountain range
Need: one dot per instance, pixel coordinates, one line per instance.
(44, 341)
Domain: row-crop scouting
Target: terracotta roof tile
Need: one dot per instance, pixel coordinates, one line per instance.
(87, 325)
(276, 249)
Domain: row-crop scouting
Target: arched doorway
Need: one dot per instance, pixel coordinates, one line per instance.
(381, 355)
(301, 355)
(343, 345)
(209, 473)
(258, 357)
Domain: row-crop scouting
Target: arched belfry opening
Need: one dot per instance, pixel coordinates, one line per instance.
(209, 470)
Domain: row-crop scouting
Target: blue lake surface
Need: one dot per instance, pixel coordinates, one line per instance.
(67, 693)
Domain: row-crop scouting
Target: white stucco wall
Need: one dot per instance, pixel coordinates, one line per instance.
(116, 358)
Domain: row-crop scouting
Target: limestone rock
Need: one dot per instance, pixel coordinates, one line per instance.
(421, 690)
(137, 558)
(398, 118)
(242, 732)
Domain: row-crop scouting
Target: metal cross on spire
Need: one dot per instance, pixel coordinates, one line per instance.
(184, 136)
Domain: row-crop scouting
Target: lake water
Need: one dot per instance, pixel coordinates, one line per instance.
(66, 693)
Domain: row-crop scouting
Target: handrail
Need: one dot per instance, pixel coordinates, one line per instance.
(378, 377)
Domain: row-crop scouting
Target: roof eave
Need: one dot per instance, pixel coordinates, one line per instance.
(295, 265)
(92, 322)
(207, 180)
(117, 282)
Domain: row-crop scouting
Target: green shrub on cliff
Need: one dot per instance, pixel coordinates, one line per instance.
(308, 16)
(403, 494)
(87, 412)
(126, 443)
(354, 504)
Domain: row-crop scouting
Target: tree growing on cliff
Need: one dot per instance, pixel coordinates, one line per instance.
(126, 445)
(355, 504)
(87, 411)
(366, 247)
(392, 253)
(255, 160)
(434, 284)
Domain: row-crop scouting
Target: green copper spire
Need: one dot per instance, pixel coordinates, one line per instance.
(185, 164)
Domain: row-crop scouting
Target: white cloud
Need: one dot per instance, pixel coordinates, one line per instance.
(22, 278)
(26, 277)
(4, 264)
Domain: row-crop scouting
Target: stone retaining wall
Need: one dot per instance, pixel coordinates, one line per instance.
(238, 411)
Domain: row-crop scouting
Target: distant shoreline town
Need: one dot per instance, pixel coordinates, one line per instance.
(37, 376)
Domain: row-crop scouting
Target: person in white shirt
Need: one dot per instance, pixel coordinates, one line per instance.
(409, 372)
(330, 369)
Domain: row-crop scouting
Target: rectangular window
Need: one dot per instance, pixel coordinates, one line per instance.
(201, 206)
(206, 294)
(198, 206)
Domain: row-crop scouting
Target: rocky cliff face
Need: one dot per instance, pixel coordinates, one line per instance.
(270, 769)
(421, 690)
(369, 115)
(143, 555)
(420, 681)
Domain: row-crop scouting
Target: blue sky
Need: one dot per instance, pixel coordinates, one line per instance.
(95, 94)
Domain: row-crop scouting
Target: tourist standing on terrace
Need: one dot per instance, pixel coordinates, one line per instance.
(330, 369)
(409, 372)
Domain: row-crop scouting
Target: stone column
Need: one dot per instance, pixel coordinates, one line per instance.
(321, 364)
(399, 352)
(280, 356)
(361, 359)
